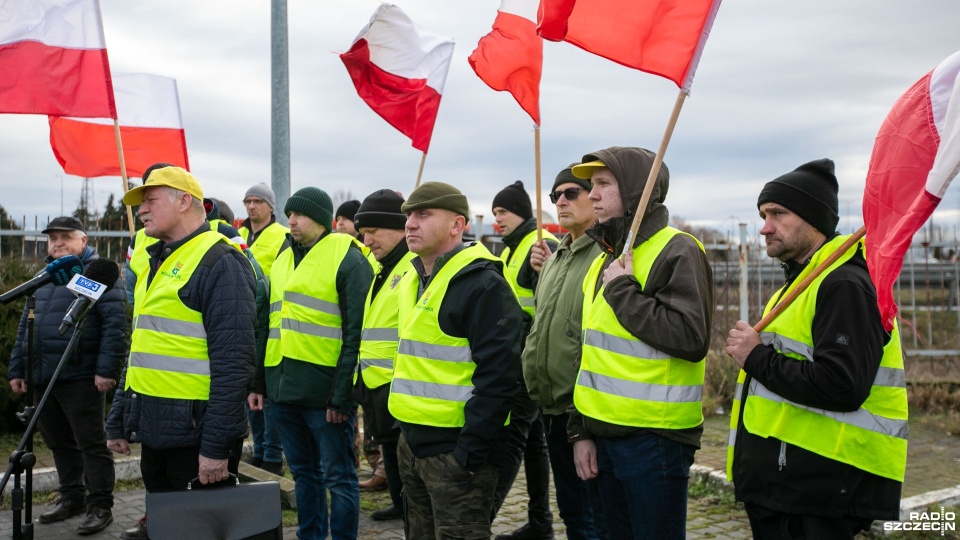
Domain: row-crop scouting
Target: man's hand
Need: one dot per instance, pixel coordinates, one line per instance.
(741, 340)
(19, 386)
(539, 254)
(212, 470)
(335, 417)
(585, 458)
(104, 384)
(118, 446)
(622, 266)
(255, 401)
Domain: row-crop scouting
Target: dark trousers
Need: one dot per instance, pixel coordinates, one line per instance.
(528, 444)
(444, 501)
(173, 469)
(578, 500)
(71, 424)
(772, 525)
(392, 469)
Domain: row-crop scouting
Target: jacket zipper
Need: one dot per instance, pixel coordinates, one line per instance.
(782, 459)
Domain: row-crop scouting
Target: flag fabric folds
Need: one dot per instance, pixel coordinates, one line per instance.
(915, 157)
(662, 37)
(150, 127)
(510, 57)
(399, 70)
(53, 59)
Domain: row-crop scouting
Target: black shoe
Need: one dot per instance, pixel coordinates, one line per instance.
(528, 532)
(62, 511)
(97, 520)
(272, 467)
(137, 532)
(387, 514)
(256, 462)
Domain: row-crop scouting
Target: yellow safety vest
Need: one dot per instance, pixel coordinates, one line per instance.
(168, 349)
(265, 249)
(305, 318)
(872, 438)
(511, 268)
(140, 259)
(433, 371)
(380, 336)
(623, 380)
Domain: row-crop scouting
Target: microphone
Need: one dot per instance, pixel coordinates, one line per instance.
(100, 277)
(59, 272)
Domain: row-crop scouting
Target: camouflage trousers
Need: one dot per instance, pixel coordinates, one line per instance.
(442, 499)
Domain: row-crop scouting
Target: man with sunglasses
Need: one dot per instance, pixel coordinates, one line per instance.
(551, 357)
(646, 332)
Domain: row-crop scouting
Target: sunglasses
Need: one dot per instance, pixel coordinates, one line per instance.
(570, 193)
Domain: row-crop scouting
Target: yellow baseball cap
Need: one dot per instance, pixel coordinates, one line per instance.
(174, 177)
(585, 170)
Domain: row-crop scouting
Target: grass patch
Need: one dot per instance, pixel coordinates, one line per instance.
(712, 494)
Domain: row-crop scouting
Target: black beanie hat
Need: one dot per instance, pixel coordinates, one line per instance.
(313, 203)
(347, 210)
(381, 210)
(566, 177)
(810, 191)
(515, 199)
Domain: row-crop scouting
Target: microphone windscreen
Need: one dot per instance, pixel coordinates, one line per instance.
(103, 271)
(63, 269)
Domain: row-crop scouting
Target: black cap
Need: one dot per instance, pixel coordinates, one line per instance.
(64, 223)
(347, 210)
(810, 191)
(515, 199)
(381, 210)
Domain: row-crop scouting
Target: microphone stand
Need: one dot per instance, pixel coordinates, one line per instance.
(22, 459)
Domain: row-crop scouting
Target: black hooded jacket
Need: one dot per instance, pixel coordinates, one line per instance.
(672, 311)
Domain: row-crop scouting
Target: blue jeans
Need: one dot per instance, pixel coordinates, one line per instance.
(577, 500)
(643, 485)
(266, 436)
(320, 457)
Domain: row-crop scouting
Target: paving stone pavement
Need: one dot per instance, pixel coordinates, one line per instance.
(933, 463)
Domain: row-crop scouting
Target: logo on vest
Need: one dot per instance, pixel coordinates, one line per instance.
(175, 273)
(395, 281)
(422, 304)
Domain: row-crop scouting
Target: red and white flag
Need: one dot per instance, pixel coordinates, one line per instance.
(662, 37)
(399, 71)
(915, 157)
(150, 127)
(510, 57)
(53, 59)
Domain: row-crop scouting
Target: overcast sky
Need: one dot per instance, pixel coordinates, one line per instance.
(779, 84)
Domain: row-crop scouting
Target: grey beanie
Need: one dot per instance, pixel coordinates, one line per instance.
(262, 191)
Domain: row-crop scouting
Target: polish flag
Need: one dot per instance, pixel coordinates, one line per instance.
(510, 57)
(662, 37)
(915, 157)
(399, 71)
(53, 59)
(150, 127)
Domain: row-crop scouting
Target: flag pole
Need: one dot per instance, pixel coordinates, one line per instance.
(793, 294)
(123, 174)
(420, 172)
(536, 160)
(654, 171)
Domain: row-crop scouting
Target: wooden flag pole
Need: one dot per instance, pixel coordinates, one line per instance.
(536, 160)
(123, 174)
(420, 172)
(654, 171)
(795, 292)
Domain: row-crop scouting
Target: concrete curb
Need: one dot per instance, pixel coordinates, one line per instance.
(46, 479)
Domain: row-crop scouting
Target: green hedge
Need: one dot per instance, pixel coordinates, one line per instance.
(13, 271)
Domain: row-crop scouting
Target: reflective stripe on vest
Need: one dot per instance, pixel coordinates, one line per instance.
(623, 380)
(378, 341)
(265, 249)
(512, 265)
(305, 319)
(168, 349)
(872, 438)
(433, 371)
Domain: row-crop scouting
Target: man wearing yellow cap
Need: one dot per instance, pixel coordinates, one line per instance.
(193, 347)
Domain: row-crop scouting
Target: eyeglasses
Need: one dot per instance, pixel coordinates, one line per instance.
(570, 193)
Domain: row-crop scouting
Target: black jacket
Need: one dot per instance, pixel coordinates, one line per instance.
(839, 379)
(103, 343)
(480, 306)
(223, 290)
